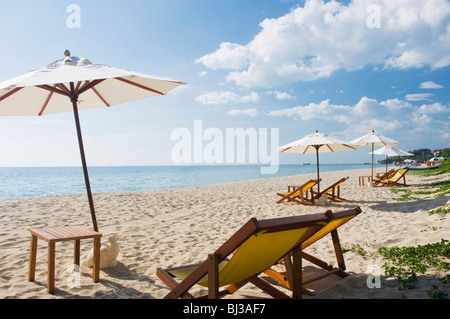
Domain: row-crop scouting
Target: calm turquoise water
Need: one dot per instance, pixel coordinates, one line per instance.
(46, 181)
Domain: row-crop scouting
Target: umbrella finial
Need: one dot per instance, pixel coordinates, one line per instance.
(317, 131)
(67, 59)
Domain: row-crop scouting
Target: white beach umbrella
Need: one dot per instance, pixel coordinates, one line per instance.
(373, 139)
(390, 151)
(317, 143)
(74, 83)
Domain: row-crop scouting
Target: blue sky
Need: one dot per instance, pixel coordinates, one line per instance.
(343, 68)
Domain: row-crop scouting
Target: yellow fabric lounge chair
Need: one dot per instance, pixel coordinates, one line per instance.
(255, 247)
(395, 180)
(387, 175)
(335, 221)
(333, 191)
(299, 194)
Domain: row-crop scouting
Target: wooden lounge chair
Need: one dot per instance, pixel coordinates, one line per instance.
(333, 191)
(255, 247)
(299, 194)
(335, 221)
(387, 175)
(395, 180)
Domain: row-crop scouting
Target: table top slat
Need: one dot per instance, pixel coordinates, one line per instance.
(53, 234)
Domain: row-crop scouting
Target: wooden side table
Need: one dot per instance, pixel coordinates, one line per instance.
(57, 234)
(361, 180)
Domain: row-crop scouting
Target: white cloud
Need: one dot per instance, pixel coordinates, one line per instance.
(228, 56)
(418, 96)
(322, 110)
(421, 120)
(203, 74)
(282, 95)
(248, 112)
(396, 104)
(315, 40)
(430, 85)
(369, 114)
(432, 108)
(226, 97)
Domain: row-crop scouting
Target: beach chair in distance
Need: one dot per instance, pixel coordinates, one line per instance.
(299, 194)
(333, 191)
(387, 175)
(335, 221)
(395, 180)
(256, 246)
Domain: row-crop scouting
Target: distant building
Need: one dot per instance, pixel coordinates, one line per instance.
(435, 152)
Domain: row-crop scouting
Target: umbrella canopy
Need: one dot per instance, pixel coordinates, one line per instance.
(317, 143)
(390, 151)
(73, 83)
(46, 90)
(373, 139)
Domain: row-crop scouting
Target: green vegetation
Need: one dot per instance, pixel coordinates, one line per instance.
(403, 197)
(405, 262)
(435, 190)
(443, 169)
(440, 210)
(356, 248)
(421, 155)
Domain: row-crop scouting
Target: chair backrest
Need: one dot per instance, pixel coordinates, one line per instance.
(335, 185)
(305, 187)
(310, 184)
(270, 240)
(398, 175)
(338, 220)
(386, 175)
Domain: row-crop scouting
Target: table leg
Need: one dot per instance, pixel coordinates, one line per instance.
(76, 254)
(33, 253)
(96, 267)
(51, 268)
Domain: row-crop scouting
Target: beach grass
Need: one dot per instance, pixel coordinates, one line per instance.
(405, 262)
(434, 189)
(443, 169)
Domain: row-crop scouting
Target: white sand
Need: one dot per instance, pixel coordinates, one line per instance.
(175, 227)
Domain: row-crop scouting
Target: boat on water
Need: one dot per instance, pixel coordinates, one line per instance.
(412, 168)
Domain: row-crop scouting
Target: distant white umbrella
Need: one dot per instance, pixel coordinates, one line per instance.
(390, 151)
(317, 143)
(373, 139)
(74, 83)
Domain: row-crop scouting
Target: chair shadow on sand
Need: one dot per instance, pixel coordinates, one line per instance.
(412, 206)
(117, 285)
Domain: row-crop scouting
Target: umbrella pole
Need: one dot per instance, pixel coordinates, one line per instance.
(74, 99)
(372, 162)
(386, 163)
(317, 163)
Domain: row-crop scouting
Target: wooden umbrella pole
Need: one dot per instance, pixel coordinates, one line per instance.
(372, 162)
(317, 161)
(74, 99)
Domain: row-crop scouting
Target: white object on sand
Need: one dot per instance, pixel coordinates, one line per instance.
(108, 254)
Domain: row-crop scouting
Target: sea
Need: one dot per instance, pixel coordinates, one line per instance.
(20, 182)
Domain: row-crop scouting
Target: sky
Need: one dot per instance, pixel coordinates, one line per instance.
(280, 68)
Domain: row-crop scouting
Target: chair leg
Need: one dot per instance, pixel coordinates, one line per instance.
(297, 271)
(213, 276)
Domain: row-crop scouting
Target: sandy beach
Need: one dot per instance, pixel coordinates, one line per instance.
(181, 226)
